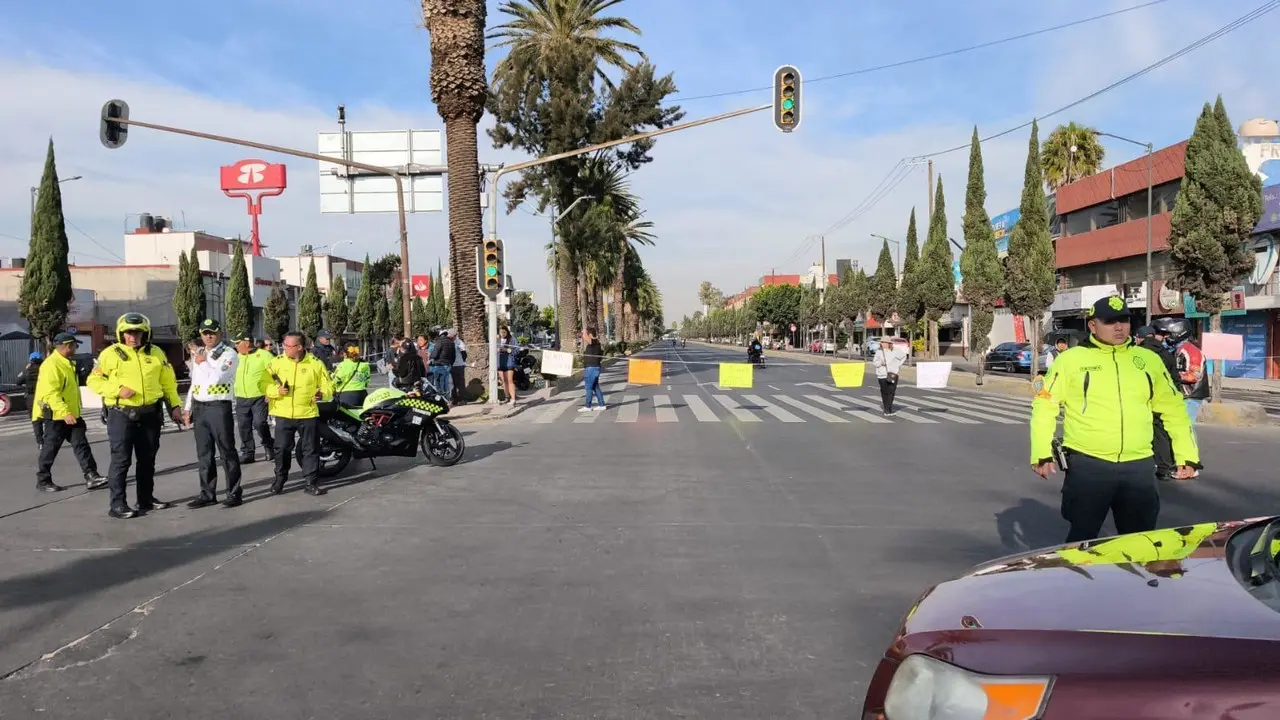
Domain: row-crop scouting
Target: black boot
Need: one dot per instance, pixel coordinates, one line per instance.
(49, 486)
(94, 481)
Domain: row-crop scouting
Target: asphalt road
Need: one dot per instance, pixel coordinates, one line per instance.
(641, 562)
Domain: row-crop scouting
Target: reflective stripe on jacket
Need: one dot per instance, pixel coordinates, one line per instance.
(1109, 393)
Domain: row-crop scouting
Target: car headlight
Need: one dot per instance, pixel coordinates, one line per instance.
(925, 688)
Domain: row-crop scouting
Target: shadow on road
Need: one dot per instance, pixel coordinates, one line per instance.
(1029, 525)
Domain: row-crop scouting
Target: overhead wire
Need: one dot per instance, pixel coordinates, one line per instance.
(934, 56)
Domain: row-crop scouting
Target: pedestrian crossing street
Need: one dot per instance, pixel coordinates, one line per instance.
(794, 404)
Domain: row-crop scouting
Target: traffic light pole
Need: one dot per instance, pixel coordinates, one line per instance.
(493, 210)
(389, 172)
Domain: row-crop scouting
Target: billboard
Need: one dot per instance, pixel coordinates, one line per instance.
(1270, 210)
(420, 285)
(253, 175)
(1003, 224)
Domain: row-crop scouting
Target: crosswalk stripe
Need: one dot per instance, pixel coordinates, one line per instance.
(860, 414)
(1016, 406)
(588, 417)
(700, 409)
(806, 407)
(994, 414)
(904, 415)
(732, 406)
(615, 387)
(552, 412)
(629, 409)
(945, 414)
(772, 409)
(663, 409)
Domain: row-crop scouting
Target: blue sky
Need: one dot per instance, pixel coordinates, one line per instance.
(730, 201)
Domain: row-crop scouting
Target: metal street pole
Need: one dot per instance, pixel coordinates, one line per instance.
(1150, 282)
(393, 173)
(555, 259)
(35, 191)
(493, 207)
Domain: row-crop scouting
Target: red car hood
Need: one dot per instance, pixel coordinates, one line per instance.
(1167, 582)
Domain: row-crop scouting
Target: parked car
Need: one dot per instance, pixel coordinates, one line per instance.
(1009, 357)
(1176, 623)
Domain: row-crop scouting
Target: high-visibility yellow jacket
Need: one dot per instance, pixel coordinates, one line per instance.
(146, 371)
(1110, 393)
(249, 373)
(352, 375)
(303, 379)
(58, 388)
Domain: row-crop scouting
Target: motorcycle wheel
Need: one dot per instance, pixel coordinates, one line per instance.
(6, 405)
(446, 451)
(522, 381)
(332, 460)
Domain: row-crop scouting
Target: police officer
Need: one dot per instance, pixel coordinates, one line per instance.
(351, 378)
(323, 349)
(210, 412)
(1110, 388)
(294, 383)
(55, 400)
(135, 379)
(1154, 339)
(251, 405)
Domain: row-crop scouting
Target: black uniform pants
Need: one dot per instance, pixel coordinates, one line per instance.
(306, 434)
(1094, 487)
(37, 429)
(215, 428)
(352, 397)
(1162, 446)
(130, 438)
(251, 415)
(887, 391)
(57, 432)
(458, 374)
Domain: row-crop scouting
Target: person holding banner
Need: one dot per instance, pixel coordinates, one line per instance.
(888, 363)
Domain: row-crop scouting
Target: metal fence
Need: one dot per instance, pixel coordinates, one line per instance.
(13, 358)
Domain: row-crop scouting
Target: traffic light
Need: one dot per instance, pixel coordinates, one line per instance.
(113, 134)
(786, 98)
(492, 278)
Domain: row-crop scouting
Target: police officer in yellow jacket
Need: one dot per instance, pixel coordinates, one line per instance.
(251, 405)
(294, 384)
(1110, 387)
(56, 403)
(135, 380)
(351, 378)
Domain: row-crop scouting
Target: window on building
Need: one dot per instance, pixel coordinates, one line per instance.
(1093, 218)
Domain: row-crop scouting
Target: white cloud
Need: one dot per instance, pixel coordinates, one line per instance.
(730, 201)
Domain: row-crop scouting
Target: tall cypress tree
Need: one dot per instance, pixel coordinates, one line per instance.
(1218, 206)
(309, 321)
(275, 313)
(910, 304)
(883, 300)
(382, 316)
(421, 320)
(337, 309)
(365, 316)
(46, 294)
(239, 298)
(937, 282)
(983, 278)
(397, 308)
(189, 299)
(1029, 284)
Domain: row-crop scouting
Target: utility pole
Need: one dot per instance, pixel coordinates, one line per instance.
(823, 295)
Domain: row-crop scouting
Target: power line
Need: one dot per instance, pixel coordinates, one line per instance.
(935, 56)
(1220, 32)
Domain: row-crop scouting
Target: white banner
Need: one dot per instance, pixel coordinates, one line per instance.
(932, 375)
(557, 363)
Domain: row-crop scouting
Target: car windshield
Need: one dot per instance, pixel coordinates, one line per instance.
(1253, 554)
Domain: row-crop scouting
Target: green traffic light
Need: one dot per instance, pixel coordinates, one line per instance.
(788, 104)
(491, 271)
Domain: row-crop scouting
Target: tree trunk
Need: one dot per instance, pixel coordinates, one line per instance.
(602, 322)
(1215, 380)
(466, 232)
(1035, 345)
(931, 343)
(568, 282)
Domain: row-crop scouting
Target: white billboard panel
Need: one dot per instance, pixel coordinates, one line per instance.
(399, 149)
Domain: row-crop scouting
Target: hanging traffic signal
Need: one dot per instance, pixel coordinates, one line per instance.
(786, 98)
(492, 278)
(112, 133)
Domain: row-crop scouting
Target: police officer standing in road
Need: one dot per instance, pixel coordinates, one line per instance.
(134, 379)
(55, 400)
(1154, 339)
(251, 405)
(210, 412)
(294, 383)
(1110, 389)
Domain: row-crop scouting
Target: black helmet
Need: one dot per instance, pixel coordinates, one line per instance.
(133, 321)
(1144, 332)
(1178, 329)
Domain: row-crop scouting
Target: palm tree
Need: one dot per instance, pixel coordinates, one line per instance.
(459, 89)
(1070, 152)
(540, 37)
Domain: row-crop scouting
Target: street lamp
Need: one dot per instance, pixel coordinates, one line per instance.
(31, 226)
(1150, 281)
(555, 260)
(896, 270)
